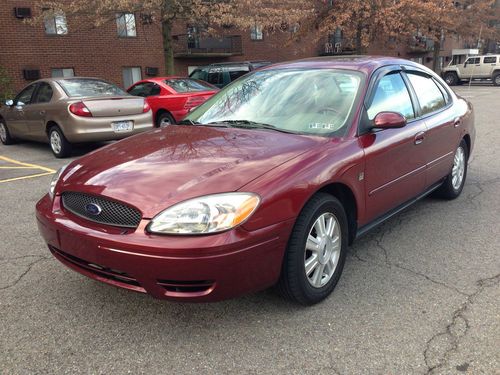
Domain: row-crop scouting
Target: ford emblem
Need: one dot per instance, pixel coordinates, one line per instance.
(93, 209)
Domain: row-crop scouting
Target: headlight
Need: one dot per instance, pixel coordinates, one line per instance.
(54, 181)
(208, 214)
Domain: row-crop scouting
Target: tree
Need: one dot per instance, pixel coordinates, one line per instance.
(271, 15)
(5, 86)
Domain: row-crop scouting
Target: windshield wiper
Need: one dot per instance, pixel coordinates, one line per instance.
(246, 124)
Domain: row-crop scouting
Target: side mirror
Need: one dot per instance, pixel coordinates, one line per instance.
(389, 120)
(9, 103)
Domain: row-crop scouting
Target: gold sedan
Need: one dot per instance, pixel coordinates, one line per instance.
(64, 111)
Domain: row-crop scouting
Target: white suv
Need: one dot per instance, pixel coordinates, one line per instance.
(475, 67)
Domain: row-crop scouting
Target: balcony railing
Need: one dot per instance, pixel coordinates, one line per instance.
(196, 46)
(329, 47)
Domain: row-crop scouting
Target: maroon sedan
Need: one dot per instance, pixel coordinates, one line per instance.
(266, 183)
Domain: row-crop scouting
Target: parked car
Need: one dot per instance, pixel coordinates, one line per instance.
(64, 111)
(265, 183)
(485, 67)
(171, 98)
(222, 74)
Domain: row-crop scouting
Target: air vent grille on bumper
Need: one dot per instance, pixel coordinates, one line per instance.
(101, 210)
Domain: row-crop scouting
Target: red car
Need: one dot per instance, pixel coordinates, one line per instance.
(172, 98)
(267, 183)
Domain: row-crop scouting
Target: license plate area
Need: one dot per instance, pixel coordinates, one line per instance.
(122, 126)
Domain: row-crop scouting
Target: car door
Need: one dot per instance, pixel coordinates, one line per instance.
(394, 158)
(16, 114)
(470, 67)
(35, 114)
(442, 135)
(488, 64)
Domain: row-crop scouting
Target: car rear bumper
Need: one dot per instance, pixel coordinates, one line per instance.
(95, 129)
(182, 268)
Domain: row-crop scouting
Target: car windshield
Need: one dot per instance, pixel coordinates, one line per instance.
(89, 87)
(188, 85)
(307, 101)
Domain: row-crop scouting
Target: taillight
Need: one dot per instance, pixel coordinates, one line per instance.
(146, 107)
(80, 109)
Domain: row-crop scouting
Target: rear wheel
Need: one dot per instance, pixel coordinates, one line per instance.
(60, 146)
(5, 136)
(164, 120)
(454, 183)
(451, 79)
(496, 79)
(316, 251)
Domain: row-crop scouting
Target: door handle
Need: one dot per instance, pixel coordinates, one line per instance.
(456, 122)
(419, 138)
(42, 112)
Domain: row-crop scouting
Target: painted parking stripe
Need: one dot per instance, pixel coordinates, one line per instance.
(24, 166)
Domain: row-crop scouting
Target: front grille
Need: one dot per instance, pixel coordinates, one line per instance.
(112, 213)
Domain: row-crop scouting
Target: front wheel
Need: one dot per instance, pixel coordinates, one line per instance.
(451, 79)
(5, 136)
(59, 145)
(316, 251)
(455, 181)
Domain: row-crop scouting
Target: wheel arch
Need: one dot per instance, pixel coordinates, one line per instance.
(467, 140)
(346, 196)
(50, 124)
(161, 111)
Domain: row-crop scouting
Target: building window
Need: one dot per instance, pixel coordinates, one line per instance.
(131, 75)
(62, 72)
(125, 23)
(256, 32)
(55, 24)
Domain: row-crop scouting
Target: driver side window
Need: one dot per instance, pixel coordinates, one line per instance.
(391, 95)
(25, 96)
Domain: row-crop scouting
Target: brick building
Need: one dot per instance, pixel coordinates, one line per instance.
(129, 47)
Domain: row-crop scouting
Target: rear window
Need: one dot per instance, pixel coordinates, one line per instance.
(188, 85)
(89, 87)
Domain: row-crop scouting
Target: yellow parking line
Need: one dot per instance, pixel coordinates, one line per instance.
(26, 177)
(9, 160)
(22, 165)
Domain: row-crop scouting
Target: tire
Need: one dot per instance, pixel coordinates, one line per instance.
(451, 188)
(451, 79)
(496, 79)
(294, 284)
(164, 120)
(59, 145)
(5, 136)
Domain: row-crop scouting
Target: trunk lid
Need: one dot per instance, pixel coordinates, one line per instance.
(114, 106)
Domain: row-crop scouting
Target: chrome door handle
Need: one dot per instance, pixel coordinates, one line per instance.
(42, 112)
(456, 123)
(419, 138)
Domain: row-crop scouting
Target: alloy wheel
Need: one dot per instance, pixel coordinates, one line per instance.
(165, 121)
(3, 132)
(458, 170)
(55, 142)
(322, 251)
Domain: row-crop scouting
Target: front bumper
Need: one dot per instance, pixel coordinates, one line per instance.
(182, 268)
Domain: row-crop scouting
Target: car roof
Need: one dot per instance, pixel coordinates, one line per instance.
(354, 62)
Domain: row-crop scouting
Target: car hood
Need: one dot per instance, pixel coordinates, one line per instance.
(157, 169)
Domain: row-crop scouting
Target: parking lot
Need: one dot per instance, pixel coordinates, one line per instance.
(418, 295)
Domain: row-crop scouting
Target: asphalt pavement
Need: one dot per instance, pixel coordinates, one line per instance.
(418, 295)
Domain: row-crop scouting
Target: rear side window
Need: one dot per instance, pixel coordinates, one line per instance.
(89, 87)
(237, 74)
(490, 60)
(188, 85)
(44, 94)
(391, 95)
(145, 89)
(215, 78)
(429, 95)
